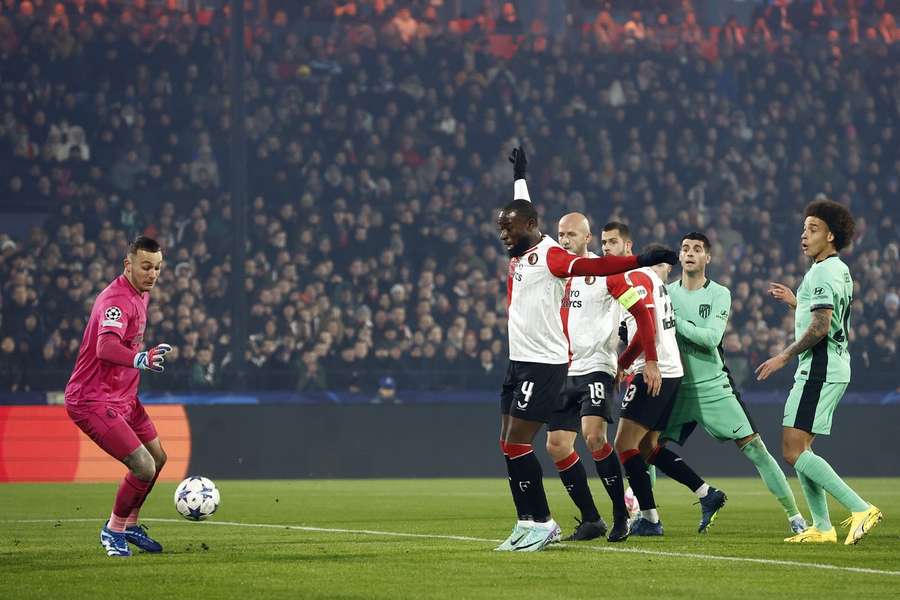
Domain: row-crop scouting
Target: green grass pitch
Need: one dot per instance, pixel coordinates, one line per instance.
(334, 539)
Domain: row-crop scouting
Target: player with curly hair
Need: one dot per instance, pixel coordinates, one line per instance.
(822, 309)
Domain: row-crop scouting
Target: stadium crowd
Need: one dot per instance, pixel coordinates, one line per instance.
(377, 161)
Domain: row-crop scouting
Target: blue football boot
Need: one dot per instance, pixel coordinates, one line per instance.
(643, 527)
(114, 542)
(137, 535)
(710, 505)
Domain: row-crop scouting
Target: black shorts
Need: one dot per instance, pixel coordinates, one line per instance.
(651, 412)
(589, 395)
(531, 390)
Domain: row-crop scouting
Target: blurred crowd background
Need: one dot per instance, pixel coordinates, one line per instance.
(378, 134)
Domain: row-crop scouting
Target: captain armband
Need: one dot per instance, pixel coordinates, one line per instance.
(629, 298)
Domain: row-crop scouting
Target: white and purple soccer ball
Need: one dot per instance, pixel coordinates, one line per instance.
(196, 498)
(631, 503)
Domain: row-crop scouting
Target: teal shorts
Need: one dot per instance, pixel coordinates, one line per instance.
(716, 406)
(811, 404)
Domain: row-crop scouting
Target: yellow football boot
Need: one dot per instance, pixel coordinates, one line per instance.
(813, 535)
(861, 523)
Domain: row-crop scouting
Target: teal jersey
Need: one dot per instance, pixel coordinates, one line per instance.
(827, 284)
(700, 320)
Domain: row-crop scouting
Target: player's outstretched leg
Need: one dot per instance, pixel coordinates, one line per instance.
(863, 517)
(796, 447)
(772, 475)
(711, 500)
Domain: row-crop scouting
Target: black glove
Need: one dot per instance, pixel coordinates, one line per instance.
(623, 332)
(655, 257)
(520, 163)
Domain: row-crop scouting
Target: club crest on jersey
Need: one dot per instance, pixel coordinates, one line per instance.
(532, 259)
(705, 310)
(589, 280)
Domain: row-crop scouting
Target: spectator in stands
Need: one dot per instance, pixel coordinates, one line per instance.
(387, 391)
(11, 367)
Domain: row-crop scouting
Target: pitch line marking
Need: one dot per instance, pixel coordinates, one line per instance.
(464, 538)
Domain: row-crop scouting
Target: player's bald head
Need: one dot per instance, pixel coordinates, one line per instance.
(574, 233)
(575, 221)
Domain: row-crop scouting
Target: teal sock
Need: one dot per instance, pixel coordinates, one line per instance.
(818, 503)
(817, 469)
(651, 471)
(771, 474)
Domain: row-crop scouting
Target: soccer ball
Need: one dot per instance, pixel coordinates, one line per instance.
(196, 498)
(631, 503)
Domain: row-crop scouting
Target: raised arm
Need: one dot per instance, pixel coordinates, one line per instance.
(707, 337)
(520, 168)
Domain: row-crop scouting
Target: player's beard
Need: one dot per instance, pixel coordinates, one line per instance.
(519, 248)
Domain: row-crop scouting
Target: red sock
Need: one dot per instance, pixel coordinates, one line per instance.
(514, 451)
(603, 452)
(623, 458)
(567, 462)
(131, 493)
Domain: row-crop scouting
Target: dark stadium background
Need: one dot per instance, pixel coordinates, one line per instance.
(326, 203)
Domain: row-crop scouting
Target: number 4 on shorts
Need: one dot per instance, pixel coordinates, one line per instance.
(527, 389)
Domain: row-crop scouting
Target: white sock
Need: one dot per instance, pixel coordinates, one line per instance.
(702, 490)
(651, 515)
(528, 523)
(796, 517)
(548, 525)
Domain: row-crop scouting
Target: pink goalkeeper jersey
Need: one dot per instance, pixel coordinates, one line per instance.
(121, 310)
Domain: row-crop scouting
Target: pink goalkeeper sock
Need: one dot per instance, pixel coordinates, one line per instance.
(136, 511)
(131, 494)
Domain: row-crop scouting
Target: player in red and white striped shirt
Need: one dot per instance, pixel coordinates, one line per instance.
(538, 349)
(595, 307)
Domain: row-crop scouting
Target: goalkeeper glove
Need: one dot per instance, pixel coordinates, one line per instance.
(152, 359)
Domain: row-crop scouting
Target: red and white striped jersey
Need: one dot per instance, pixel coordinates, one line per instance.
(653, 291)
(594, 317)
(538, 320)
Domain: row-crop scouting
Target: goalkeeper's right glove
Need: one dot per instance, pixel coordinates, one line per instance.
(152, 359)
